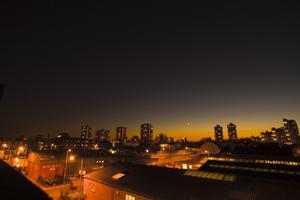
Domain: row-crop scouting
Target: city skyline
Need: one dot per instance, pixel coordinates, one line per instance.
(189, 133)
(141, 100)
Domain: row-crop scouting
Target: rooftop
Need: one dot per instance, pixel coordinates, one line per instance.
(165, 183)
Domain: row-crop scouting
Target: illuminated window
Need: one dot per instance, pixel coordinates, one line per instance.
(220, 177)
(210, 175)
(129, 197)
(229, 178)
(118, 176)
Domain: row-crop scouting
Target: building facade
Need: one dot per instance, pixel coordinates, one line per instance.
(278, 135)
(73, 143)
(86, 132)
(291, 131)
(95, 190)
(266, 137)
(102, 135)
(218, 134)
(43, 166)
(232, 132)
(121, 135)
(146, 133)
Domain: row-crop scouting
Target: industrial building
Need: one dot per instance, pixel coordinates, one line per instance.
(129, 181)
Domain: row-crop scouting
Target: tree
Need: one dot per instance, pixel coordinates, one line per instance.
(162, 138)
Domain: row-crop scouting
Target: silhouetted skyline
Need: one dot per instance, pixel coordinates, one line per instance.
(182, 67)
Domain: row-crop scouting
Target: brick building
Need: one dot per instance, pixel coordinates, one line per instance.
(128, 181)
(44, 166)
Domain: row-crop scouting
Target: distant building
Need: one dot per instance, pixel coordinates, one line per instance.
(278, 135)
(219, 134)
(86, 132)
(135, 139)
(232, 132)
(73, 143)
(255, 138)
(291, 131)
(266, 137)
(146, 133)
(102, 135)
(121, 135)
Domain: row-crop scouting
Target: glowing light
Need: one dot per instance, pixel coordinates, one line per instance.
(112, 151)
(118, 176)
(72, 158)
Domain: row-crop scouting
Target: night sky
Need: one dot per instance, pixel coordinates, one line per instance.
(182, 67)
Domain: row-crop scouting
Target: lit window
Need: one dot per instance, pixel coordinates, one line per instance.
(118, 176)
(129, 197)
(229, 178)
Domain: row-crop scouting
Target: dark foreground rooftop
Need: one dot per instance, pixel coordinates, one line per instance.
(14, 185)
(165, 183)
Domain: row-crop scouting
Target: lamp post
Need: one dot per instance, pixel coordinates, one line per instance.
(186, 148)
(81, 172)
(66, 163)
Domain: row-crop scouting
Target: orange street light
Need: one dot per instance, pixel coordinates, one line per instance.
(72, 158)
(21, 148)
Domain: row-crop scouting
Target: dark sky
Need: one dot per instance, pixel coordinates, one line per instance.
(183, 67)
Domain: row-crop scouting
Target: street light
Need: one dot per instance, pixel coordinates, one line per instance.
(21, 149)
(207, 152)
(66, 163)
(186, 148)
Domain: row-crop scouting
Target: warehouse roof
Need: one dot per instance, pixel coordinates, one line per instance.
(165, 183)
